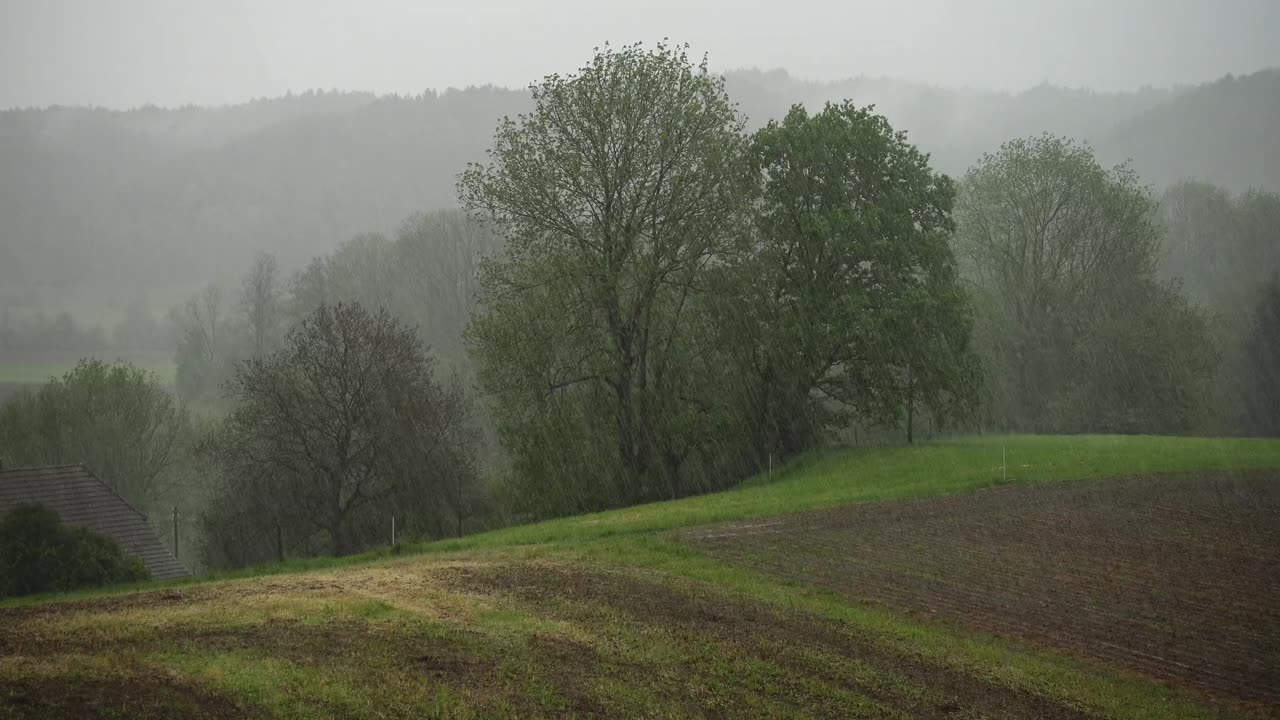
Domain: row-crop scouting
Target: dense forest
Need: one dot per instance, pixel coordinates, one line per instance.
(649, 281)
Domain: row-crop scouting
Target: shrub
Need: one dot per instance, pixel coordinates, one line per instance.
(40, 554)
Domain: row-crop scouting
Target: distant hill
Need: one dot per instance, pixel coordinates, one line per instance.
(1226, 132)
(95, 204)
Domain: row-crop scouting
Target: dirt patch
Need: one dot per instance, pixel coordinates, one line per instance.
(1173, 576)
(813, 658)
(130, 697)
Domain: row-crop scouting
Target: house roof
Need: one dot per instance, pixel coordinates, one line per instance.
(82, 500)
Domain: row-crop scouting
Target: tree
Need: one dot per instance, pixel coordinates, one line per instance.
(1062, 255)
(199, 356)
(613, 196)
(342, 427)
(260, 304)
(39, 554)
(118, 419)
(856, 307)
(1222, 248)
(1260, 386)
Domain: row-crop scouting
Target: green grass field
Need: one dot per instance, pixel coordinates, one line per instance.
(605, 615)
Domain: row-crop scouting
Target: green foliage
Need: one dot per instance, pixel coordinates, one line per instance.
(1222, 249)
(116, 418)
(855, 307)
(1260, 376)
(38, 554)
(613, 196)
(1077, 333)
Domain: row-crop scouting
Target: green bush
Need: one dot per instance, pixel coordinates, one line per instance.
(40, 554)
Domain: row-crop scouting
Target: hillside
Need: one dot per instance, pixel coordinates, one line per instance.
(749, 603)
(159, 201)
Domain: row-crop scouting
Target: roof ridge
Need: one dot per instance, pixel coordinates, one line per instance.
(61, 466)
(112, 490)
(119, 518)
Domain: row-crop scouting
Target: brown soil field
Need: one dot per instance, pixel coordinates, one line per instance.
(1176, 577)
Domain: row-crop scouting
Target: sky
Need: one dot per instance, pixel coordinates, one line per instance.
(126, 53)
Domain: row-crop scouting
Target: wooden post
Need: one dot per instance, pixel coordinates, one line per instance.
(393, 531)
(175, 531)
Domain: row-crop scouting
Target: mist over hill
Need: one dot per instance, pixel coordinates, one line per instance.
(95, 204)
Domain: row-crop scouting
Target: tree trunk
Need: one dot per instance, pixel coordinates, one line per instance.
(911, 407)
(338, 535)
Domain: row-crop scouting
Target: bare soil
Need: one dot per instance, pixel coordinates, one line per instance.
(121, 698)
(1176, 577)
(818, 656)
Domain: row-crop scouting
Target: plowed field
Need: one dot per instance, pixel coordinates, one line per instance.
(1177, 577)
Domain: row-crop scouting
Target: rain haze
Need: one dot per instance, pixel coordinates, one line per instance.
(138, 52)
(671, 359)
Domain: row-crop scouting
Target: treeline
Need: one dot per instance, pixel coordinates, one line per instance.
(646, 298)
(37, 331)
(680, 302)
(425, 276)
(167, 199)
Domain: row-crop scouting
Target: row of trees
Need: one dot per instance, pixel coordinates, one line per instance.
(1225, 251)
(677, 302)
(425, 277)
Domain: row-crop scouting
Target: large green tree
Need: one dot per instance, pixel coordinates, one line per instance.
(857, 312)
(1077, 332)
(613, 195)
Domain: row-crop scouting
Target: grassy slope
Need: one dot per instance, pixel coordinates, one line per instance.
(503, 637)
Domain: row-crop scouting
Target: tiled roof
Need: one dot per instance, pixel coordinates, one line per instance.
(82, 500)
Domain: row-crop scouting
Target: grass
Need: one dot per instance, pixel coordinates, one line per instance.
(607, 614)
(868, 474)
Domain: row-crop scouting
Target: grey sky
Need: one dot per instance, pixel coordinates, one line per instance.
(125, 53)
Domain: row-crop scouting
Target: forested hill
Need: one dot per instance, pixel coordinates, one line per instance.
(97, 203)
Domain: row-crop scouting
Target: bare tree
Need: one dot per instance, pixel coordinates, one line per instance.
(345, 419)
(199, 323)
(260, 303)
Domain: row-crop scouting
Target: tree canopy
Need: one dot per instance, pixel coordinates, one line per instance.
(1078, 333)
(339, 429)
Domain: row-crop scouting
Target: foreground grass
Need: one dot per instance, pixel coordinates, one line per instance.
(605, 615)
(869, 474)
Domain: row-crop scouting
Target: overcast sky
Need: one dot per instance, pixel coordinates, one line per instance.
(124, 53)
